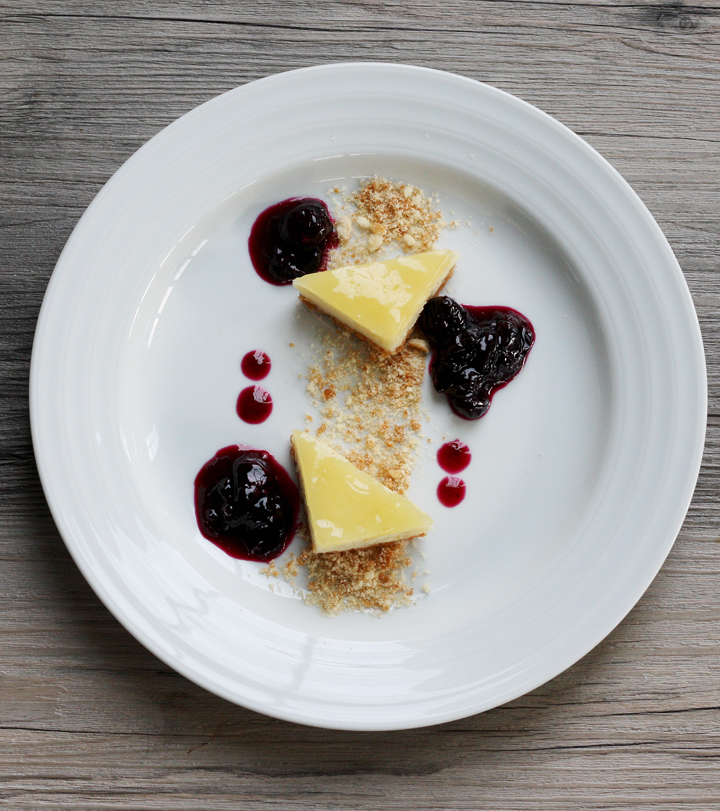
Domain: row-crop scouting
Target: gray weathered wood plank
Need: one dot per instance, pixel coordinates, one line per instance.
(88, 718)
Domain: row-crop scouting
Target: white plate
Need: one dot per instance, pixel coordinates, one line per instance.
(583, 469)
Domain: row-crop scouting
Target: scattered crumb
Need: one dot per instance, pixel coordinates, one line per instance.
(374, 242)
(270, 570)
(343, 227)
(360, 579)
(382, 217)
(290, 568)
(368, 403)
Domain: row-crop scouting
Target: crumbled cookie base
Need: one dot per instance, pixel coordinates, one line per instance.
(371, 579)
(370, 409)
(369, 403)
(382, 217)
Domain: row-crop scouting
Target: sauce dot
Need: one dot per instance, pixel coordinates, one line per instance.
(256, 365)
(254, 404)
(454, 456)
(451, 491)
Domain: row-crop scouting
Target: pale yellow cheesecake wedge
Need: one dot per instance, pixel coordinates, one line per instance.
(346, 507)
(380, 301)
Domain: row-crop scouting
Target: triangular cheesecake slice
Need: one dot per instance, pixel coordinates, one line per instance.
(346, 507)
(380, 301)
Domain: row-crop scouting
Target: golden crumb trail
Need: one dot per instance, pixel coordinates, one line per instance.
(368, 403)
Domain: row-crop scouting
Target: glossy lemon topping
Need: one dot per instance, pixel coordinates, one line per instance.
(382, 300)
(347, 508)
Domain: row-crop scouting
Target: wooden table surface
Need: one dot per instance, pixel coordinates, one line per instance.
(89, 719)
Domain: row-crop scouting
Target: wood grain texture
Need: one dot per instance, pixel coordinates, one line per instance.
(88, 718)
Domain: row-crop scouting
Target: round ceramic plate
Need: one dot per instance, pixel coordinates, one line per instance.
(582, 470)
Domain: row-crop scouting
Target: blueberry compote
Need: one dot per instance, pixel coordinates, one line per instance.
(246, 503)
(477, 350)
(292, 238)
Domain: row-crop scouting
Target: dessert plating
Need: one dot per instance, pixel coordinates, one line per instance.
(360, 523)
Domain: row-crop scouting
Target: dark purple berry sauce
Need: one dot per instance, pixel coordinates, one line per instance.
(476, 351)
(292, 238)
(454, 456)
(246, 503)
(254, 404)
(451, 491)
(256, 365)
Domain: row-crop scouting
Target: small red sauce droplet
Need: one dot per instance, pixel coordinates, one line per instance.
(454, 456)
(451, 491)
(256, 365)
(254, 404)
